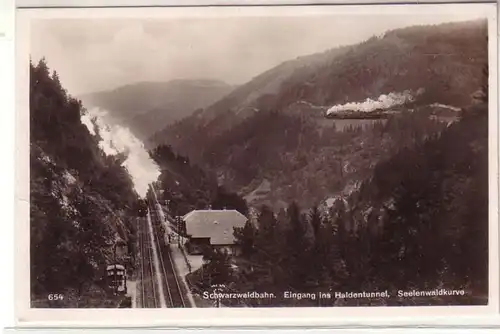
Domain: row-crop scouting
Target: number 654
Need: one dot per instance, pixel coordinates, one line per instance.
(55, 296)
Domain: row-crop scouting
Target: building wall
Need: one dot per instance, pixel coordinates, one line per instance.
(196, 245)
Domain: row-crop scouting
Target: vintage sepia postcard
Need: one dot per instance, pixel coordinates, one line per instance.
(256, 163)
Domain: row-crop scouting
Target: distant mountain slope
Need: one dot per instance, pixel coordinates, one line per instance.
(279, 133)
(242, 101)
(445, 59)
(147, 107)
(248, 96)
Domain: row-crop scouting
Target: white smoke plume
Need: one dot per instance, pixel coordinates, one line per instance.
(384, 101)
(117, 139)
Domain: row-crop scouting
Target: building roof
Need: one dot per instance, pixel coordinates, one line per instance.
(214, 224)
(115, 266)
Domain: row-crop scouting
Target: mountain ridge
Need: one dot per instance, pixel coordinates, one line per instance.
(450, 53)
(284, 137)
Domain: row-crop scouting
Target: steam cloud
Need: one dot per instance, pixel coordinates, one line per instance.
(384, 101)
(117, 139)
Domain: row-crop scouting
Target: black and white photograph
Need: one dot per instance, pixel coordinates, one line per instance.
(283, 159)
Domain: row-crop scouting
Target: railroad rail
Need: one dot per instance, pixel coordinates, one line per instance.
(148, 293)
(174, 293)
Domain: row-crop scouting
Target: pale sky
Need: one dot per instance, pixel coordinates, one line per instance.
(101, 54)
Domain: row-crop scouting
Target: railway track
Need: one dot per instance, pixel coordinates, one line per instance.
(172, 287)
(174, 294)
(148, 290)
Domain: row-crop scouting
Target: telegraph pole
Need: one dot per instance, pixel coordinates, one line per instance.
(179, 231)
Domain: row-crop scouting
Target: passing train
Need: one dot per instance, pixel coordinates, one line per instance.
(168, 226)
(142, 208)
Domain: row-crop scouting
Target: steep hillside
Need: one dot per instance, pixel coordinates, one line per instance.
(306, 162)
(82, 202)
(419, 222)
(147, 107)
(446, 60)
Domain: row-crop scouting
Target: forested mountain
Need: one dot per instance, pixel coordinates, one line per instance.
(445, 59)
(419, 223)
(82, 202)
(147, 107)
(272, 129)
(305, 163)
